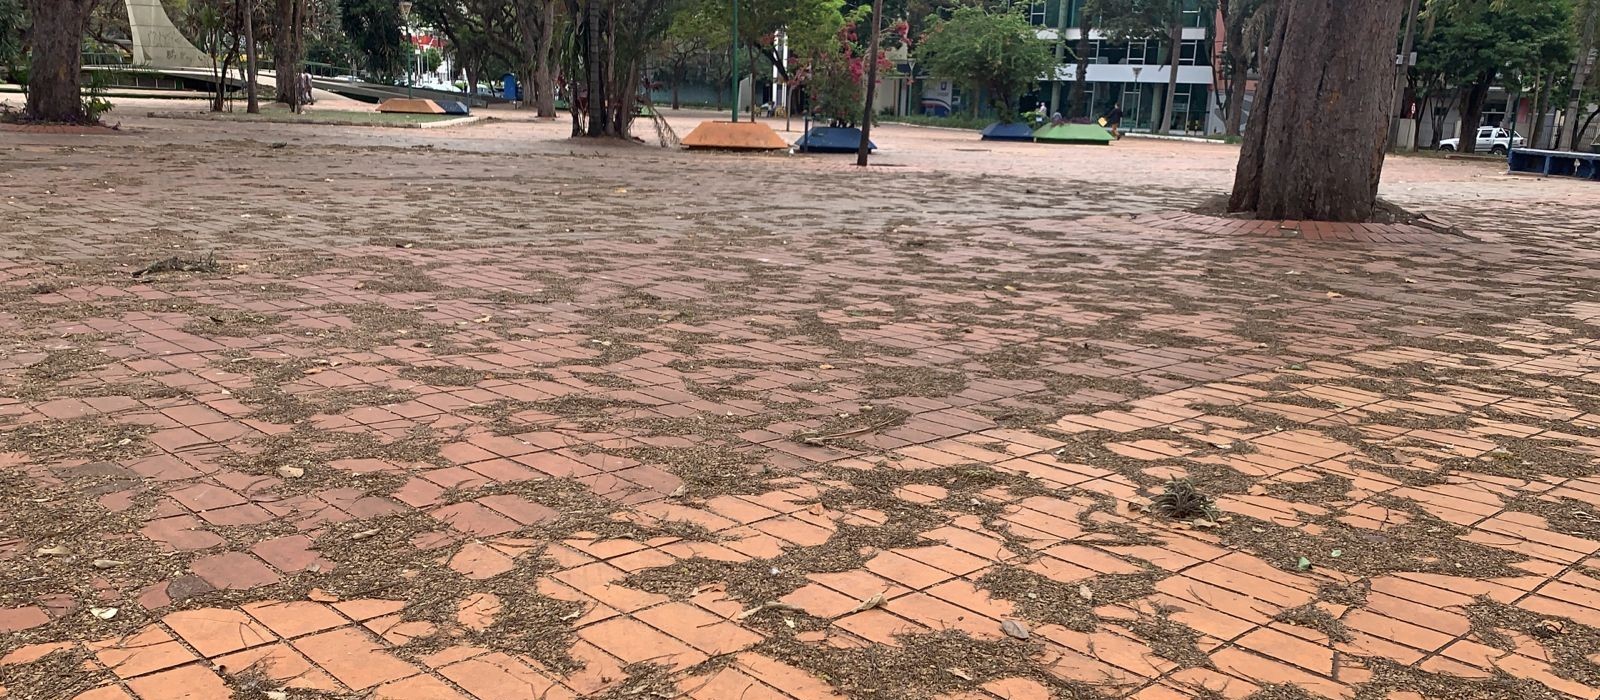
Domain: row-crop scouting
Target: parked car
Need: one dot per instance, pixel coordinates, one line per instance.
(1490, 138)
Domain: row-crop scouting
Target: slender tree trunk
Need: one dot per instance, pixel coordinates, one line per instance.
(865, 149)
(597, 91)
(546, 94)
(1061, 57)
(1536, 131)
(1568, 136)
(1080, 82)
(677, 82)
(1315, 146)
(1439, 120)
(56, 80)
(1175, 41)
(755, 75)
(252, 99)
(1237, 91)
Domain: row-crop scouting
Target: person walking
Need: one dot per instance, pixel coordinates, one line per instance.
(1114, 120)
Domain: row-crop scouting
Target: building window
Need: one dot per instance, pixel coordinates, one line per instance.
(1033, 9)
(1189, 53)
(1137, 51)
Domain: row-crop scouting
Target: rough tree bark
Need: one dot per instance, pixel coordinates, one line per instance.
(1080, 82)
(1238, 89)
(57, 37)
(1174, 47)
(285, 52)
(1315, 146)
(252, 99)
(543, 77)
(1472, 100)
(1568, 137)
(597, 88)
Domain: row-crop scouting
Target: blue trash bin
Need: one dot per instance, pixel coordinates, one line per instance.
(510, 91)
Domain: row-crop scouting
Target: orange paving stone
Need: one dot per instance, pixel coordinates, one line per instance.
(566, 455)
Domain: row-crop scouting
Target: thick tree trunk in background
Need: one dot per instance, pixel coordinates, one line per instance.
(1315, 146)
(543, 75)
(57, 36)
(1472, 100)
(1080, 82)
(1175, 47)
(285, 54)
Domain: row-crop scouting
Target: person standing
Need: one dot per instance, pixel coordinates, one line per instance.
(1114, 120)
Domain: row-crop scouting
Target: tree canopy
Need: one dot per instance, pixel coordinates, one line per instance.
(996, 52)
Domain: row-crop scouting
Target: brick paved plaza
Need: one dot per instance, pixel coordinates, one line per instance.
(483, 413)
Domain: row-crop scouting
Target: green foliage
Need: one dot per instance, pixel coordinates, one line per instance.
(997, 52)
(375, 30)
(1489, 40)
(13, 19)
(1125, 20)
(836, 79)
(810, 25)
(95, 104)
(951, 122)
(432, 59)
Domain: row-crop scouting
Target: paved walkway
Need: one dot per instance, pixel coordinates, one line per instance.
(486, 414)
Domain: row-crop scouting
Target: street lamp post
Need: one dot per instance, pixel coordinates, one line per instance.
(405, 12)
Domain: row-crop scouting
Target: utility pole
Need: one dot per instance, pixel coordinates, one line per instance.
(865, 149)
(1402, 67)
(1061, 57)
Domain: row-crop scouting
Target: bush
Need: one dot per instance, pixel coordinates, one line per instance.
(951, 122)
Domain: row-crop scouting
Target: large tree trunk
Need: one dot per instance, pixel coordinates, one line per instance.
(1175, 47)
(56, 79)
(285, 53)
(1080, 82)
(1472, 100)
(1315, 146)
(543, 80)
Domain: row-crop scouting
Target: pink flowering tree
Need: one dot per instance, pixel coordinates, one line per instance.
(835, 75)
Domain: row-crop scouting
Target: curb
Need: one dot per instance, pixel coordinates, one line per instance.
(206, 117)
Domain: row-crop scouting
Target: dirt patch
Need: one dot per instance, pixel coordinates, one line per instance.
(923, 666)
(1071, 605)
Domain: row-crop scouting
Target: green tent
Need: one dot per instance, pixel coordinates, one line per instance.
(1072, 133)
